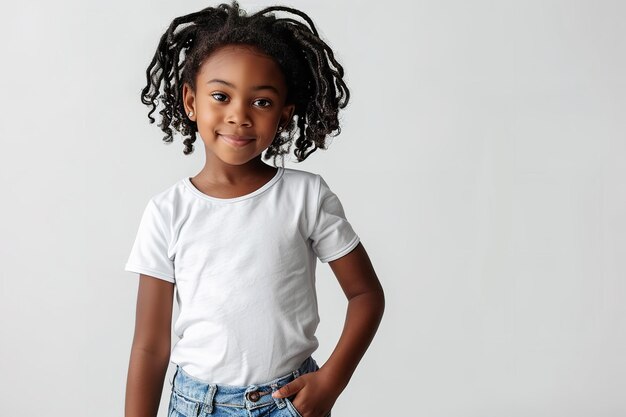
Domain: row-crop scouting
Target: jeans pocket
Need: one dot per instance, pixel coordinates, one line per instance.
(292, 408)
(181, 405)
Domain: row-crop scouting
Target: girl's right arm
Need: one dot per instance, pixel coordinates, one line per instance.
(150, 353)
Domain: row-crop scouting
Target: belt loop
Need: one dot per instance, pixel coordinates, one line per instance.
(305, 367)
(280, 402)
(207, 403)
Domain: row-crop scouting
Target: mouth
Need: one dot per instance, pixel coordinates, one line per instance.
(237, 140)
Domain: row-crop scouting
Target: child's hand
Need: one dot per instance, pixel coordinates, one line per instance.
(317, 393)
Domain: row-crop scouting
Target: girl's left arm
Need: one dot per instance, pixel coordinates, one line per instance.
(366, 304)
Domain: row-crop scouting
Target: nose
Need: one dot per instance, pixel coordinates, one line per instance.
(238, 114)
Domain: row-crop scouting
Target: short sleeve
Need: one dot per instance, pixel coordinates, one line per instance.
(332, 236)
(149, 254)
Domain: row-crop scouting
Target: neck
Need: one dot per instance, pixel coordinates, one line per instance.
(218, 172)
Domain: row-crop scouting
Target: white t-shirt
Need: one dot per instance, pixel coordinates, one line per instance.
(244, 270)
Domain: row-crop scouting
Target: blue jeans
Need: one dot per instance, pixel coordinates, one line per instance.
(192, 397)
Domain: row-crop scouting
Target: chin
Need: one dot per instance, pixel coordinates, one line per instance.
(236, 161)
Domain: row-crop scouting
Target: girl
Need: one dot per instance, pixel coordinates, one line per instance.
(240, 240)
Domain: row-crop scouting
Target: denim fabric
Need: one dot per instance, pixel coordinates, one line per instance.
(192, 397)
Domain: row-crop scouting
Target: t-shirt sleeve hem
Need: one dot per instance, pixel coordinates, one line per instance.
(347, 249)
(148, 271)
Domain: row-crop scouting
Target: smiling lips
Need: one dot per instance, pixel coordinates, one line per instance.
(237, 140)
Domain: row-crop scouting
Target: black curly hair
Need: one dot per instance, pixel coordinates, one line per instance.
(313, 85)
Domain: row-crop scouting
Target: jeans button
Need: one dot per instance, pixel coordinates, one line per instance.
(253, 396)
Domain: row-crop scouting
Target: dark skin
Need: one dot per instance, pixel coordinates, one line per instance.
(239, 91)
(150, 352)
(241, 108)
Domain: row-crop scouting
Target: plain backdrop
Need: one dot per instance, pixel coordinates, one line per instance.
(481, 161)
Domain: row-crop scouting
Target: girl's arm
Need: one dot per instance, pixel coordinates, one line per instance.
(366, 304)
(151, 346)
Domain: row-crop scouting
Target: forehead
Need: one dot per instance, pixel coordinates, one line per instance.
(241, 64)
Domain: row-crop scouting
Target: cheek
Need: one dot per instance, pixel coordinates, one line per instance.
(208, 117)
(274, 119)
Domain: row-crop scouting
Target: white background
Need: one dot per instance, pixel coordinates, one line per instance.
(481, 161)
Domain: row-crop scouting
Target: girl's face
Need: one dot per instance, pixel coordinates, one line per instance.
(240, 93)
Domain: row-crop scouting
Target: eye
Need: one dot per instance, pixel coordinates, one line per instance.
(269, 103)
(218, 94)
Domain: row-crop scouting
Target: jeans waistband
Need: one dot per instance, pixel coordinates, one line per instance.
(195, 397)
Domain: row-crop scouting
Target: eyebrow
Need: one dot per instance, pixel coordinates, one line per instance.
(256, 88)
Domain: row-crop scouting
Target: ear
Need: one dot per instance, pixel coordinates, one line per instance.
(287, 114)
(189, 101)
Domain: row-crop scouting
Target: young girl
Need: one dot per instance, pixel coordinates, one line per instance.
(240, 240)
